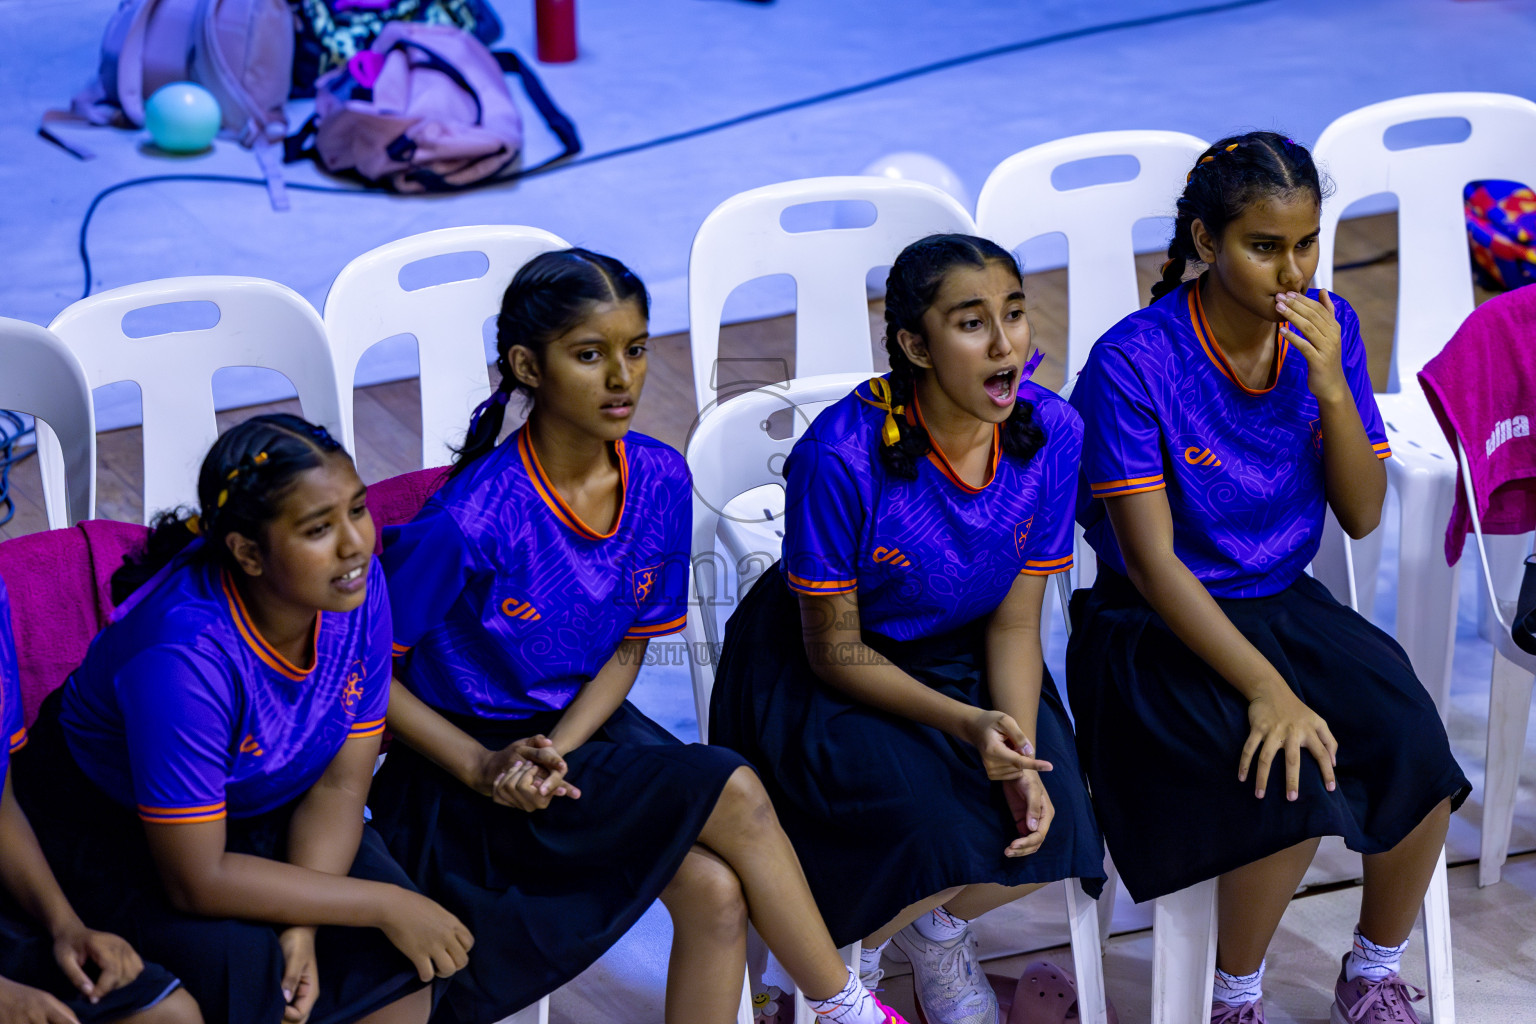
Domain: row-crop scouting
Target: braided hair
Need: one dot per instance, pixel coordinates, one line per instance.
(547, 297)
(1229, 176)
(245, 476)
(914, 281)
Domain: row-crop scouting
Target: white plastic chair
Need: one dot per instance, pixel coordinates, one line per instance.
(731, 452)
(1019, 202)
(1509, 711)
(42, 377)
(1434, 295)
(367, 304)
(1184, 944)
(261, 323)
(743, 239)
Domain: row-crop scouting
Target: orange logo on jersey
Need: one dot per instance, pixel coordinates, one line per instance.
(892, 556)
(644, 580)
(1021, 534)
(1197, 456)
(512, 608)
(352, 692)
(250, 746)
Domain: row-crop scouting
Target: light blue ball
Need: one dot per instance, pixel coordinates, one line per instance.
(182, 117)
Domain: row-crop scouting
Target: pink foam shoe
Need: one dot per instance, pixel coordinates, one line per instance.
(1241, 1013)
(1364, 1001)
(891, 1016)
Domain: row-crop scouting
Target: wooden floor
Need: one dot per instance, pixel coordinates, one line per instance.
(759, 352)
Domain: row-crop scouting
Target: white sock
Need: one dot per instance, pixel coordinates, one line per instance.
(852, 1005)
(1368, 960)
(869, 960)
(939, 925)
(1235, 990)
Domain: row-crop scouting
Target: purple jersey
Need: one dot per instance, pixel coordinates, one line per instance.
(508, 603)
(1242, 467)
(13, 735)
(931, 554)
(183, 709)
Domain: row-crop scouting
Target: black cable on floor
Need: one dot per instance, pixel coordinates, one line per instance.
(12, 430)
(693, 133)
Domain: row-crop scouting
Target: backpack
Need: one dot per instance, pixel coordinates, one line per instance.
(1501, 227)
(425, 108)
(331, 31)
(239, 50)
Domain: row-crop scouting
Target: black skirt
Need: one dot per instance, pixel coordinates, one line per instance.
(883, 811)
(26, 956)
(546, 893)
(1160, 734)
(233, 968)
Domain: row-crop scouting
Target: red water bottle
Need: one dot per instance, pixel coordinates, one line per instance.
(557, 30)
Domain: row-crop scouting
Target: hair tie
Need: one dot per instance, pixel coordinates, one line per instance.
(890, 433)
(497, 397)
(1164, 268)
(1030, 367)
(195, 526)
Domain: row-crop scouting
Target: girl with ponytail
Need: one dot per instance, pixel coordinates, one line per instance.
(200, 779)
(1222, 422)
(523, 787)
(886, 679)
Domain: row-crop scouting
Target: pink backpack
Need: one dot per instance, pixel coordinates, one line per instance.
(239, 50)
(426, 108)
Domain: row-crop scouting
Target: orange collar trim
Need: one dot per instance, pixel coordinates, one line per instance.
(557, 505)
(939, 459)
(265, 651)
(1213, 347)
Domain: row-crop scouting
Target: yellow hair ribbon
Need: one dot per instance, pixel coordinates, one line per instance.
(195, 526)
(890, 433)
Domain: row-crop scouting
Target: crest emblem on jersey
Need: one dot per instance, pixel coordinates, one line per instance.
(249, 745)
(643, 581)
(1021, 534)
(891, 556)
(1198, 455)
(352, 692)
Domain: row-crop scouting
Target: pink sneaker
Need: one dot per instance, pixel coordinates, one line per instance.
(1242, 1013)
(1364, 1001)
(891, 1016)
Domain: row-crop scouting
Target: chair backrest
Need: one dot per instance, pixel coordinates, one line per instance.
(731, 452)
(743, 239)
(42, 377)
(261, 323)
(1434, 275)
(1019, 201)
(367, 304)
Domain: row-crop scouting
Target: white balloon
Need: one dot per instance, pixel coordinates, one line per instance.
(924, 167)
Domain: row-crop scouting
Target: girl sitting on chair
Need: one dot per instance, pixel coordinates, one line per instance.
(523, 789)
(886, 679)
(1222, 422)
(199, 781)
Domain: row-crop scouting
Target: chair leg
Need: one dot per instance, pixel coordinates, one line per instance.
(1437, 947)
(1509, 710)
(1106, 908)
(1087, 954)
(538, 1013)
(1426, 586)
(744, 1013)
(1184, 954)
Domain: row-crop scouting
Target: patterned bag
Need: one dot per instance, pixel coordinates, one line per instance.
(1501, 225)
(329, 32)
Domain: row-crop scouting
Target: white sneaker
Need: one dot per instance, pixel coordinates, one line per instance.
(947, 979)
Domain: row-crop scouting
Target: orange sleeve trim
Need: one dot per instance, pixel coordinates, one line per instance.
(1047, 563)
(1383, 450)
(1115, 488)
(821, 586)
(655, 629)
(183, 815)
(1032, 570)
(399, 649)
(18, 740)
(371, 728)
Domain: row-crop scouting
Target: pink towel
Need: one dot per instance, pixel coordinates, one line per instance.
(1482, 388)
(58, 585)
(398, 499)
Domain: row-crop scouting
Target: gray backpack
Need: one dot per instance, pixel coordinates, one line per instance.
(239, 50)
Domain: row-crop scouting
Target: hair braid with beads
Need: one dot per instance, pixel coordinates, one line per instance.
(914, 281)
(1229, 176)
